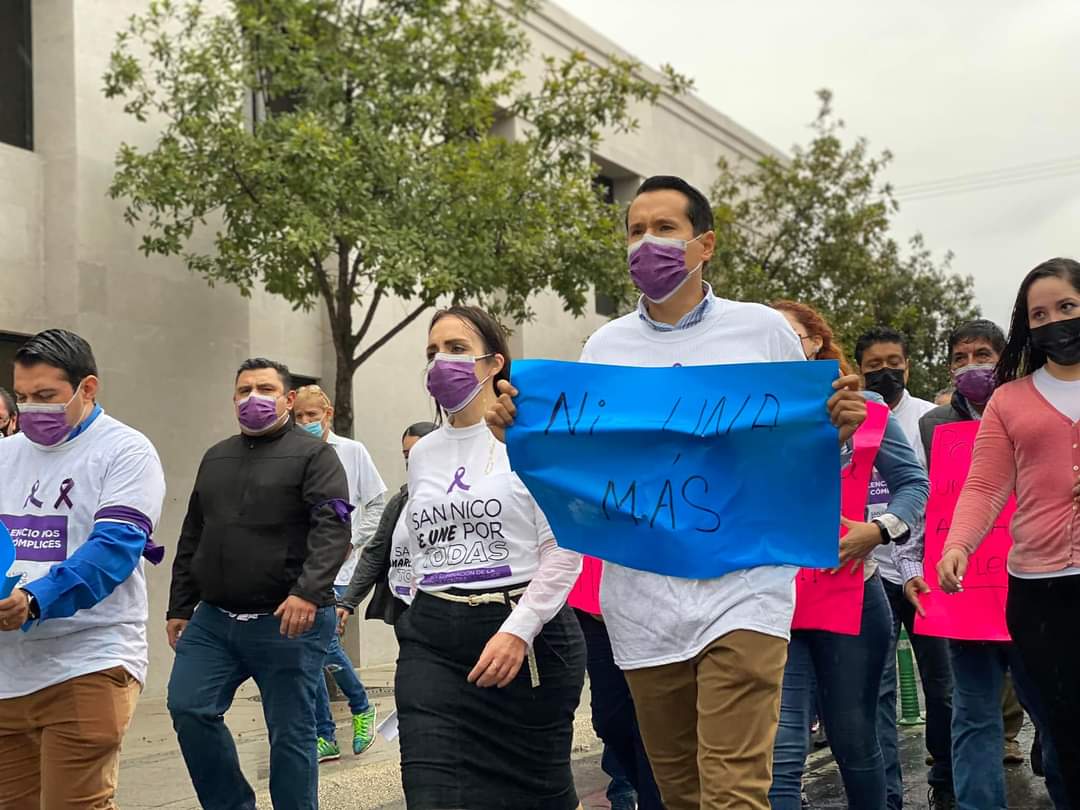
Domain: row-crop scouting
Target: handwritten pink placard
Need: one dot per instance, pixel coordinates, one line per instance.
(833, 602)
(977, 613)
(585, 595)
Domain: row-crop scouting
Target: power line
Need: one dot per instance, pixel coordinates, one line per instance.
(986, 185)
(963, 179)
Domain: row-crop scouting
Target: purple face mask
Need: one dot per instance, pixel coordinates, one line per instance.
(451, 379)
(45, 424)
(975, 382)
(257, 413)
(658, 266)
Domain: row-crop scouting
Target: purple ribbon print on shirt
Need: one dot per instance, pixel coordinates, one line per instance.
(459, 481)
(65, 489)
(31, 498)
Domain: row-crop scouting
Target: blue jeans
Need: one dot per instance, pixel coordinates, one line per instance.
(216, 654)
(935, 672)
(847, 670)
(339, 665)
(978, 730)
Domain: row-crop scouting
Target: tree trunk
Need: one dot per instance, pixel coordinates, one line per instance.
(341, 320)
(343, 390)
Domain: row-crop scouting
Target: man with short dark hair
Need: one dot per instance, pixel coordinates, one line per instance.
(267, 529)
(80, 494)
(704, 659)
(9, 414)
(885, 365)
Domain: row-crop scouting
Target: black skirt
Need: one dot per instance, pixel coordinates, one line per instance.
(464, 747)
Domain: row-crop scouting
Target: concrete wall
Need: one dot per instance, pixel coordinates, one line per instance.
(168, 345)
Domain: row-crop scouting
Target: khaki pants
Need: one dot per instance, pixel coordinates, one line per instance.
(709, 723)
(1012, 713)
(60, 747)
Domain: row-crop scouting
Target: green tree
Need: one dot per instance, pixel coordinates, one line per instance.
(377, 169)
(815, 228)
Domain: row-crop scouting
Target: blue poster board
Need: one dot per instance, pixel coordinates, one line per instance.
(690, 471)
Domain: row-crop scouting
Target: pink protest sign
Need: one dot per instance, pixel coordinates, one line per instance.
(977, 613)
(827, 601)
(585, 595)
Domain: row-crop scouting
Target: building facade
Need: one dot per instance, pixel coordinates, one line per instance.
(168, 344)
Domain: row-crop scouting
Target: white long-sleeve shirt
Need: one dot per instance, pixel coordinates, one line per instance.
(473, 525)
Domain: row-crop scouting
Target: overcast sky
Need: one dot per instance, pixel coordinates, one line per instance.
(951, 88)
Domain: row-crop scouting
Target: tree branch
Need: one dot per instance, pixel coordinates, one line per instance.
(369, 316)
(354, 274)
(378, 344)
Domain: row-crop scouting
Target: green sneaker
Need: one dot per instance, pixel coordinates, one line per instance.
(328, 749)
(363, 730)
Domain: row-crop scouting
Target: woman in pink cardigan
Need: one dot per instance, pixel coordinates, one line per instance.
(1029, 442)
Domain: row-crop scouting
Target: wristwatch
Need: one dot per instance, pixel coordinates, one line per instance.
(892, 528)
(31, 604)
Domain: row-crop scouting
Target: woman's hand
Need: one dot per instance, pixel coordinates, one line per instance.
(500, 661)
(859, 542)
(951, 569)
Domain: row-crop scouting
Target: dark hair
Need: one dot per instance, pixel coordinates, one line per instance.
(419, 430)
(255, 363)
(816, 326)
(60, 349)
(698, 209)
(980, 329)
(879, 334)
(491, 333)
(10, 405)
(1019, 358)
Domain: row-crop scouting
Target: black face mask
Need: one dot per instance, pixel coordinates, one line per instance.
(888, 382)
(1060, 341)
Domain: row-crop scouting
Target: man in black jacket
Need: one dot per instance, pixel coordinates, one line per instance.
(252, 593)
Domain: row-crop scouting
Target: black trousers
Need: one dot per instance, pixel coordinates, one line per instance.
(1044, 620)
(464, 747)
(613, 713)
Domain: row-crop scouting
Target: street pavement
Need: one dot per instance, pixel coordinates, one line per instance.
(152, 773)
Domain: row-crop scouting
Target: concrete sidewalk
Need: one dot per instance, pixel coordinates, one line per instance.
(153, 775)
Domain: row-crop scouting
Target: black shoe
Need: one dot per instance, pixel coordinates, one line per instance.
(1036, 756)
(941, 800)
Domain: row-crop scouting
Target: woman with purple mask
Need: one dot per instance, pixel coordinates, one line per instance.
(489, 608)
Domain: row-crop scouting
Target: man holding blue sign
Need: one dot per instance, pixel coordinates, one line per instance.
(80, 497)
(700, 631)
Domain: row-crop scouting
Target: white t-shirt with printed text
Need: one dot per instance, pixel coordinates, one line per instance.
(48, 499)
(400, 575)
(655, 619)
(472, 523)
